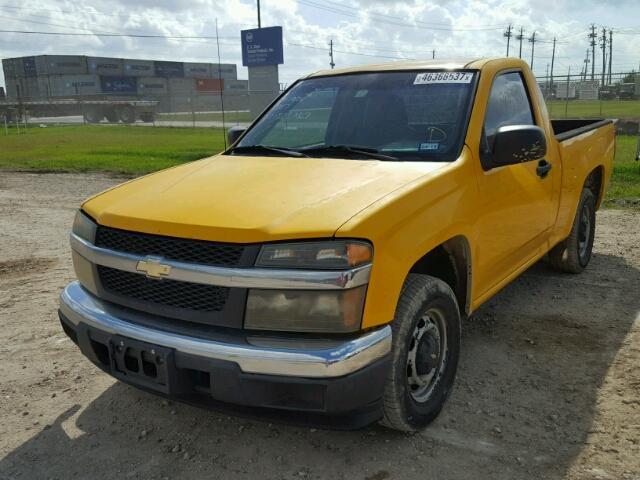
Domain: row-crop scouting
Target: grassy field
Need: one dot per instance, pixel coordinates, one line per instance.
(627, 109)
(119, 149)
(138, 150)
(231, 117)
(625, 181)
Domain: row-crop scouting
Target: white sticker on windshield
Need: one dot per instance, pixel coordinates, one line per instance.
(429, 146)
(442, 77)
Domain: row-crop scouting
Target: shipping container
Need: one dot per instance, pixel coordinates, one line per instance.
(11, 67)
(240, 86)
(29, 67)
(22, 88)
(119, 85)
(152, 86)
(71, 85)
(182, 86)
(209, 84)
(105, 66)
(61, 65)
(11, 84)
(169, 69)
(197, 70)
(138, 68)
(227, 71)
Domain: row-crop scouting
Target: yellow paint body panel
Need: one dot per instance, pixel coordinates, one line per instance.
(507, 217)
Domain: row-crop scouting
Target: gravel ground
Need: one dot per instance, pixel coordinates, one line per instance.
(548, 385)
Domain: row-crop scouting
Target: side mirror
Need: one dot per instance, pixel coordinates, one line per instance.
(234, 133)
(518, 144)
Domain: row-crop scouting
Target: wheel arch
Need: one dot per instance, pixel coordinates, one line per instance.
(595, 183)
(450, 262)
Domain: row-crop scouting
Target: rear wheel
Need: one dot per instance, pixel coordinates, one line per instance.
(573, 254)
(426, 347)
(93, 115)
(147, 117)
(112, 115)
(127, 114)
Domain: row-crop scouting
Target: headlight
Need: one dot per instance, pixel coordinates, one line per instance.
(334, 311)
(84, 227)
(327, 255)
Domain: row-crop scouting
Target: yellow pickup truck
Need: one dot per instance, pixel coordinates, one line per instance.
(319, 268)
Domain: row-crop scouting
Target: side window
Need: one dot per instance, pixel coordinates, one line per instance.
(508, 104)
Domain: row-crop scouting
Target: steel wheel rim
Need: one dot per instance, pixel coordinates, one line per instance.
(427, 355)
(584, 232)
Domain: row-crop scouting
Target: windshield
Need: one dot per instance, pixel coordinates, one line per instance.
(402, 115)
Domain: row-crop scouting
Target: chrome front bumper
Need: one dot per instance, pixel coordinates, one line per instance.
(299, 357)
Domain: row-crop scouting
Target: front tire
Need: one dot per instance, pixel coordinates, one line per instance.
(573, 254)
(425, 353)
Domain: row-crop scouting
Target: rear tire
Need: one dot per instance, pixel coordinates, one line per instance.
(112, 115)
(127, 114)
(573, 254)
(93, 115)
(425, 352)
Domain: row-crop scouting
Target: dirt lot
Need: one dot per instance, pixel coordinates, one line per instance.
(548, 386)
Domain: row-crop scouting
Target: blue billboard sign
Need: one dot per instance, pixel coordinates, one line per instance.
(262, 46)
(169, 69)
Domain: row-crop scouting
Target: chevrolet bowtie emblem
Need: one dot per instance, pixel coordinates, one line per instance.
(153, 268)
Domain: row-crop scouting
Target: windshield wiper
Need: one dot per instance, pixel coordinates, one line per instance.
(342, 149)
(267, 148)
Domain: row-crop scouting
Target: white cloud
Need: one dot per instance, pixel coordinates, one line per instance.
(369, 30)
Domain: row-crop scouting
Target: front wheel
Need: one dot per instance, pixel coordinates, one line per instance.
(425, 352)
(574, 253)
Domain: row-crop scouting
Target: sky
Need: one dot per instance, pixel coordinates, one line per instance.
(362, 31)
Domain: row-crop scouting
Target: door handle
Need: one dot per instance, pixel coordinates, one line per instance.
(543, 168)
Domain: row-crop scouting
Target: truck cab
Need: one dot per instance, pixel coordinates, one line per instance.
(319, 269)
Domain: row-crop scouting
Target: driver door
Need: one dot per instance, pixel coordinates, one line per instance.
(517, 203)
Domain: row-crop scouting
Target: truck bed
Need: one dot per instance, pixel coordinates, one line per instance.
(565, 129)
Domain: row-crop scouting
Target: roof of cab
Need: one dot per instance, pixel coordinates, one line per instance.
(443, 64)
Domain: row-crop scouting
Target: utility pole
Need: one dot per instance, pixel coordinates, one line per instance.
(553, 58)
(610, 52)
(603, 44)
(259, 23)
(508, 35)
(532, 41)
(331, 63)
(592, 38)
(520, 37)
(546, 76)
(586, 65)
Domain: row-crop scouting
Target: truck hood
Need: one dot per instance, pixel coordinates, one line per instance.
(245, 199)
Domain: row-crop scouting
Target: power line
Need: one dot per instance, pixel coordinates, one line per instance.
(128, 35)
(358, 9)
(390, 20)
